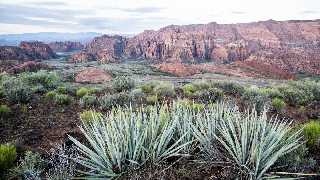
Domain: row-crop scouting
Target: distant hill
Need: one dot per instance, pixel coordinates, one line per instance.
(15, 39)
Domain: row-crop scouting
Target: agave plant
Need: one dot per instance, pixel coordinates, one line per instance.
(254, 142)
(127, 139)
(205, 127)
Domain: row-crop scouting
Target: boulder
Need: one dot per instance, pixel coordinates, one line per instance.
(92, 75)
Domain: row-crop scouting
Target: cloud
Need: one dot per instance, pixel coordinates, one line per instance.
(48, 3)
(309, 12)
(238, 12)
(20, 11)
(142, 9)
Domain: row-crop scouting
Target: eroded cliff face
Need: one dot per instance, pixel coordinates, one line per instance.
(66, 46)
(293, 46)
(27, 51)
(104, 49)
(37, 50)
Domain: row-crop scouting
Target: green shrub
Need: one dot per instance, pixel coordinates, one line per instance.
(301, 92)
(152, 99)
(253, 98)
(298, 160)
(163, 90)
(278, 104)
(51, 95)
(8, 157)
(5, 111)
(89, 116)
(296, 96)
(16, 91)
(88, 101)
(30, 167)
(189, 90)
(62, 90)
(62, 99)
(122, 83)
(230, 87)
(48, 80)
(82, 92)
(185, 103)
(209, 95)
(149, 86)
(202, 84)
(119, 99)
(137, 95)
(272, 93)
(311, 132)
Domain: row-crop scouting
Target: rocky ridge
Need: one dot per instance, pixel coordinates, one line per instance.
(27, 51)
(65, 46)
(292, 46)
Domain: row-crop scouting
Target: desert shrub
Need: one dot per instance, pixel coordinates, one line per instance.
(272, 92)
(15, 90)
(137, 95)
(71, 89)
(278, 104)
(230, 87)
(152, 99)
(131, 139)
(209, 95)
(5, 111)
(164, 90)
(253, 98)
(295, 96)
(311, 132)
(149, 86)
(189, 90)
(297, 160)
(89, 116)
(30, 167)
(301, 92)
(83, 91)
(202, 84)
(62, 90)
(8, 157)
(119, 99)
(62, 99)
(122, 83)
(51, 95)
(191, 105)
(88, 101)
(61, 163)
(45, 79)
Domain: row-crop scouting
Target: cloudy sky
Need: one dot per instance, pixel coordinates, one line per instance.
(133, 16)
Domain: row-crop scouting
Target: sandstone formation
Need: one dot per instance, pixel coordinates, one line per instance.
(104, 49)
(14, 53)
(38, 50)
(27, 51)
(29, 66)
(66, 46)
(92, 75)
(292, 46)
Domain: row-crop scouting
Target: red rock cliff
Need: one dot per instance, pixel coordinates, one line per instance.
(27, 51)
(66, 46)
(293, 46)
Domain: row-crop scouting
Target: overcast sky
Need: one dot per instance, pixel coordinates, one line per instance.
(133, 16)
